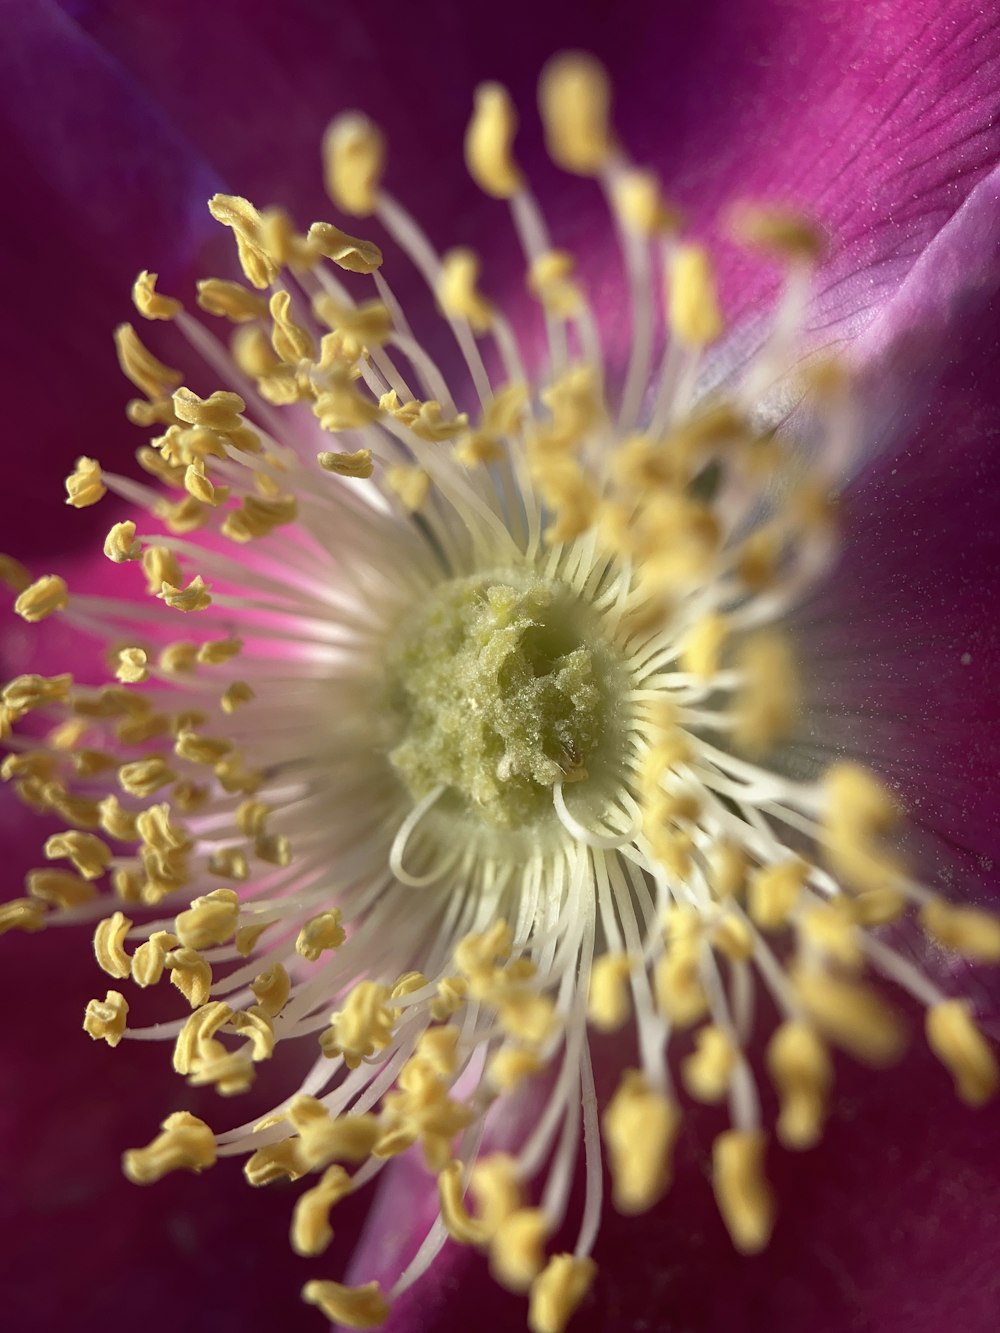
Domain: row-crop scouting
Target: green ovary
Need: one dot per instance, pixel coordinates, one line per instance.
(497, 687)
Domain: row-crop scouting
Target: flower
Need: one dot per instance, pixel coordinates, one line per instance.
(132, 664)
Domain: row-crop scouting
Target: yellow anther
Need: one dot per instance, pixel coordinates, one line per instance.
(278, 1161)
(362, 1026)
(84, 485)
(727, 865)
(411, 484)
(109, 940)
(829, 928)
(706, 1073)
(768, 701)
(186, 1144)
(323, 932)
(774, 892)
(60, 888)
(121, 544)
(25, 914)
(200, 487)
(677, 983)
(702, 646)
(511, 1065)
(961, 1047)
(450, 997)
(489, 142)
(30, 691)
(692, 305)
(13, 574)
(209, 920)
(353, 159)
(246, 222)
(160, 567)
(550, 279)
(88, 853)
(850, 1015)
(231, 300)
(190, 973)
(609, 1003)
(968, 931)
(251, 816)
(252, 351)
(197, 749)
(138, 364)
(200, 1027)
(143, 777)
(229, 1072)
(347, 252)
(42, 598)
(437, 1048)
(517, 1248)
(220, 411)
(352, 1307)
(311, 1231)
(149, 959)
(859, 813)
(476, 955)
(557, 1291)
(132, 668)
(458, 293)
(324, 1139)
(640, 203)
(357, 464)
(741, 1189)
(574, 97)
(496, 1188)
(640, 1127)
(150, 303)
(195, 597)
(779, 231)
(800, 1069)
(235, 695)
(732, 937)
(187, 515)
(246, 939)
(258, 516)
(256, 1025)
(104, 1019)
(272, 989)
(454, 1214)
(290, 340)
(424, 419)
(274, 848)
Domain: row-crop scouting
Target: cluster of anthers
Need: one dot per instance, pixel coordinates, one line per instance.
(479, 741)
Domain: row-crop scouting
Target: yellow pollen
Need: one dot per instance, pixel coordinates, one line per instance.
(84, 486)
(186, 1144)
(965, 930)
(557, 1291)
(356, 464)
(458, 292)
(641, 205)
(195, 597)
(13, 574)
(42, 598)
(104, 1019)
(191, 974)
(707, 1072)
(489, 142)
(851, 1015)
(574, 97)
(785, 234)
(230, 300)
(744, 1199)
(958, 1043)
(150, 303)
(517, 1252)
(352, 1307)
(454, 1214)
(692, 305)
(109, 939)
(347, 252)
(121, 544)
(247, 224)
(353, 158)
(640, 1128)
(311, 1231)
(609, 1005)
(22, 914)
(800, 1067)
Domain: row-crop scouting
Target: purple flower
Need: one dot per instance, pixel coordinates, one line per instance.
(878, 122)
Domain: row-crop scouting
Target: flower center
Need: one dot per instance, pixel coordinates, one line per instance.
(498, 687)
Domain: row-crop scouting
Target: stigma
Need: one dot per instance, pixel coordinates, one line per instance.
(476, 740)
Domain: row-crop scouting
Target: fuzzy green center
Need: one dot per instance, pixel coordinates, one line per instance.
(497, 688)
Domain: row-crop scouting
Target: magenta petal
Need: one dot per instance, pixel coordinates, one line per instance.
(105, 186)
